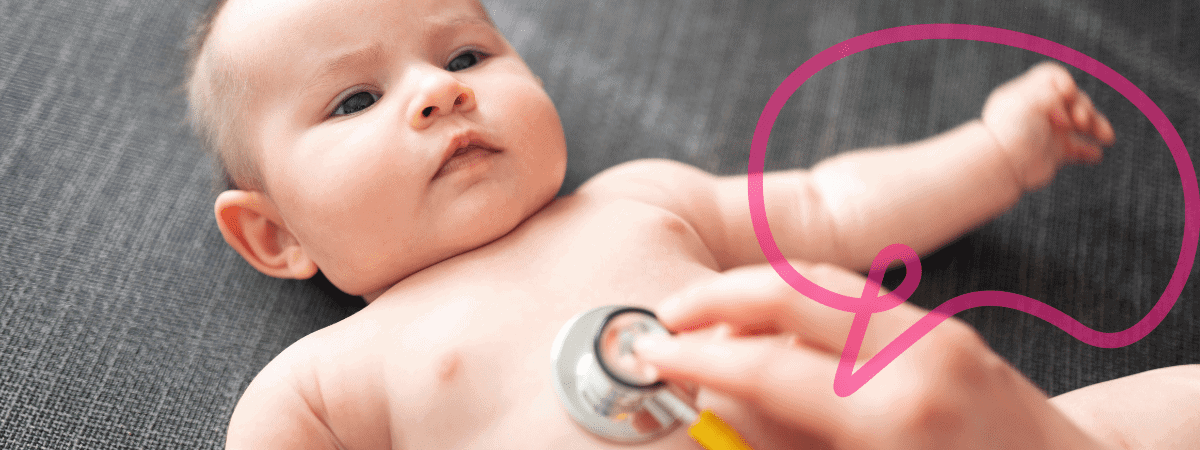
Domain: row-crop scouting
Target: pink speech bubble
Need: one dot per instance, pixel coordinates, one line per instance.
(846, 381)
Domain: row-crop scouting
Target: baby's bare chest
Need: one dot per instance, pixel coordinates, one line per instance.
(615, 252)
(468, 357)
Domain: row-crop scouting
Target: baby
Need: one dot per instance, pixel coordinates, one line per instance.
(405, 150)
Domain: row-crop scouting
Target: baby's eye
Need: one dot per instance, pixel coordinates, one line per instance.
(355, 103)
(463, 61)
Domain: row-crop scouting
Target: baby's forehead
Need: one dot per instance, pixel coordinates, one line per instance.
(242, 26)
(242, 15)
(250, 32)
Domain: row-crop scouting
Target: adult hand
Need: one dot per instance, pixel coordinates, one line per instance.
(777, 352)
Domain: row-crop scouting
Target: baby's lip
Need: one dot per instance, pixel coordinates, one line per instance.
(461, 141)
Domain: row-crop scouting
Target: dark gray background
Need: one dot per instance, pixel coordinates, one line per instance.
(126, 322)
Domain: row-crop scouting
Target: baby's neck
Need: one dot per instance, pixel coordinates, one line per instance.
(467, 254)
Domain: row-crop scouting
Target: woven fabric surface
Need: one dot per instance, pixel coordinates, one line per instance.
(126, 322)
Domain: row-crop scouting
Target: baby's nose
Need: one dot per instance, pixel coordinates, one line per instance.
(440, 95)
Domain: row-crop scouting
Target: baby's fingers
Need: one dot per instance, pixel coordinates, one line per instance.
(1081, 111)
(1088, 131)
(1084, 148)
(1091, 123)
(1091, 133)
(791, 384)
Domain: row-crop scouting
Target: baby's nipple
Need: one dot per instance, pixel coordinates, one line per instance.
(447, 366)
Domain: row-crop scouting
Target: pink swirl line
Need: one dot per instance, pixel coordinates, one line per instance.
(846, 380)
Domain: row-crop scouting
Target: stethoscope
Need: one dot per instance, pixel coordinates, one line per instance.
(612, 394)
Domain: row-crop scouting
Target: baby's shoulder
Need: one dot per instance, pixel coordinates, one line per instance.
(661, 182)
(705, 201)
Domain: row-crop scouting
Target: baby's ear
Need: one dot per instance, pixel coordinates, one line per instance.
(252, 225)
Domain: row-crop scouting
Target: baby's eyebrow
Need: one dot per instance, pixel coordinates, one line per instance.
(369, 54)
(374, 52)
(441, 28)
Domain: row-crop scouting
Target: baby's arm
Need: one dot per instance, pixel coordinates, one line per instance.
(319, 393)
(274, 413)
(924, 194)
(927, 193)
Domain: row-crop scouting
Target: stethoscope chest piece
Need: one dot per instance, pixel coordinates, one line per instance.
(598, 381)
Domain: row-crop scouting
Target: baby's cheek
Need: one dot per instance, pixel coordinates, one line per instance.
(542, 126)
(348, 223)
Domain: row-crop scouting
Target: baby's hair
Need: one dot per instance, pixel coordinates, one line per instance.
(213, 85)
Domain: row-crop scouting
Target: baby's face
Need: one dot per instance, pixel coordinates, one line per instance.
(391, 134)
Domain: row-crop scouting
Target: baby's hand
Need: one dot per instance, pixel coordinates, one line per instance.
(1041, 121)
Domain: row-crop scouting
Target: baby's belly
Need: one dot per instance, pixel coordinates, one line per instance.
(542, 423)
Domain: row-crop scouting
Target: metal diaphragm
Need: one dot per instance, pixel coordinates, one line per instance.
(614, 346)
(602, 384)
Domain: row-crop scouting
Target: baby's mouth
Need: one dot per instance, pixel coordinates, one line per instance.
(464, 157)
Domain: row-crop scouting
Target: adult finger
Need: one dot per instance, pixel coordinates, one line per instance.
(793, 385)
(756, 300)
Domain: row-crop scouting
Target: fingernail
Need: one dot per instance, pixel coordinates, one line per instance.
(650, 372)
(722, 331)
(655, 347)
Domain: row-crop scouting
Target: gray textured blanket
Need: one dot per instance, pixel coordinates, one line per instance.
(126, 322)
